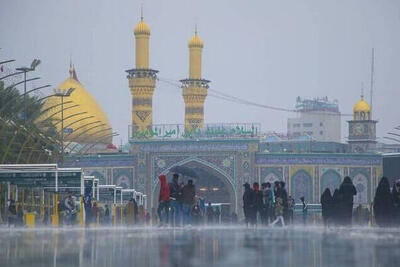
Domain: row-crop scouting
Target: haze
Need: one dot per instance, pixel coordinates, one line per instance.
(265, 51)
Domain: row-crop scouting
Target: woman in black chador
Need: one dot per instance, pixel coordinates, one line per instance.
(248, 204)
(346, 192)
(396, 203)
(335, 210)
(383, 203)
(327, 205)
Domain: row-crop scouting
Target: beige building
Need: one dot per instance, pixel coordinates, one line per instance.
(318, 119)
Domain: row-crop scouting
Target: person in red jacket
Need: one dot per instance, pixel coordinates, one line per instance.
(163, 201)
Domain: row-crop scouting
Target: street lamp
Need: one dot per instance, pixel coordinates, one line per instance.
(62, 93)
(33, 66)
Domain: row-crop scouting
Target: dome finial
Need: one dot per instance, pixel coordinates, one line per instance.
(195, 27)
(362, 90)
(142, 27)
(71, 67)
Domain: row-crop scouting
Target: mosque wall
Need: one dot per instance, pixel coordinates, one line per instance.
(118, 169)
(235, 162)
(309, 174)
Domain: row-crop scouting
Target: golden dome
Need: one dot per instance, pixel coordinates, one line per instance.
(195, 41)
(142, 28)
(90, 124)
(362, 106)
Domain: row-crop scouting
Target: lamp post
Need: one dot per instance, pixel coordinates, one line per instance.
(33, 66)
(62, 93)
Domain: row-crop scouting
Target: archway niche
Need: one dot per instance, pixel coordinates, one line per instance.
(212, 184)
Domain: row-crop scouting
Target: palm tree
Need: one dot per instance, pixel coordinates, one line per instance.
(24, 143)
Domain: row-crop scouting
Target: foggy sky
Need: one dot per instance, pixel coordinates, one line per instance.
(266, 51)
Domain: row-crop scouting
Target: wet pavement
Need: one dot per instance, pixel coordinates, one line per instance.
(214, 246)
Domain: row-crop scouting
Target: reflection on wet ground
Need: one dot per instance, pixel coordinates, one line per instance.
(218, 246)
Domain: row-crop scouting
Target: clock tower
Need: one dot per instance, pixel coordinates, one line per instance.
(362, 129)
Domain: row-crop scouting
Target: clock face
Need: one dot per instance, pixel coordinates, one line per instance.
(358, 129)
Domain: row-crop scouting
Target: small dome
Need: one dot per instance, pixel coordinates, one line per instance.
(195, 41)
(362, 106)
(142, 28)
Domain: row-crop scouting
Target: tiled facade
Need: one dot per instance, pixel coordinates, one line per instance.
(235, 162)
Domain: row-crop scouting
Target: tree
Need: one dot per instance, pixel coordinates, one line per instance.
(24, 142)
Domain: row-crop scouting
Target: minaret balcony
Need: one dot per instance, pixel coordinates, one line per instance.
(142, 73)
(195, 83)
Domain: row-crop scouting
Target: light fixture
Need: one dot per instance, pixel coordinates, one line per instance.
(35, 63)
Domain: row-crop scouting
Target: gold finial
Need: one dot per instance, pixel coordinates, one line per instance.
(362, 90)
(195, 27)
(141, 12)
(71, 68)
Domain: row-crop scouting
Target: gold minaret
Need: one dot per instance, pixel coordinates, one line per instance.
(194, 89)
(142, 80)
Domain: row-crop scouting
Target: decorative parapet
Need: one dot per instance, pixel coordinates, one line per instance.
(318, 159)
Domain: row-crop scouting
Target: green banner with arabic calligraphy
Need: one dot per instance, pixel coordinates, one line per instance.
(209, 131)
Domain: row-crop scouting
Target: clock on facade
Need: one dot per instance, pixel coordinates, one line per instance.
(358, 129)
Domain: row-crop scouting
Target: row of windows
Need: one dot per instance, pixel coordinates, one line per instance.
(306, 124)
(308, 133)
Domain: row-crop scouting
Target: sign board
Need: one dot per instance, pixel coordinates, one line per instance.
(42, 179)
(208, 131)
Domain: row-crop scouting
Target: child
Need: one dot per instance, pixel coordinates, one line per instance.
(278, 212)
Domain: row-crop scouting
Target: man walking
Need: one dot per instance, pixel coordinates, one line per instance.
(268, 199)
(188, 194)
(248, 203)
(163, 201)
(175, 200)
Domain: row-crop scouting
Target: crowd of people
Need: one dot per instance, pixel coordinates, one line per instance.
(337, 209)
(178, 205)
(267, 205)
(387, 203)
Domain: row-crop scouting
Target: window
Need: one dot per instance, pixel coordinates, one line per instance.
(307, 124)
(295, 125)
(321, 124)
(309, 133)
(321, 132)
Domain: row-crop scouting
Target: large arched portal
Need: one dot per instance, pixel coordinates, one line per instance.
(212, 184)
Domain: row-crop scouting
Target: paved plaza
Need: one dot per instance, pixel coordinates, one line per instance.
(213, 246)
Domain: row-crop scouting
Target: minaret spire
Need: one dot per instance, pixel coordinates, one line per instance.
(194, 89)
(142, 80)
